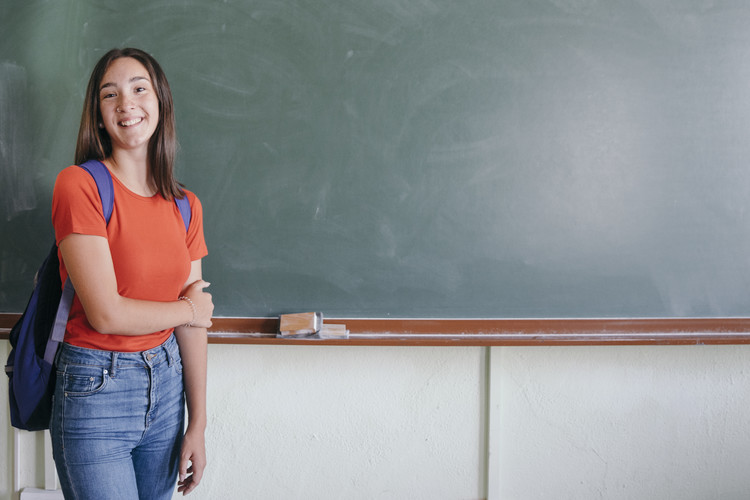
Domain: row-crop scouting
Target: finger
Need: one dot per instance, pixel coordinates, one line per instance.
(198, 284)
(188, 486)
(184, 484)
(197, 476)
(183, 469)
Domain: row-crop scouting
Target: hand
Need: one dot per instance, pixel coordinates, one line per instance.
(193, 453)
(204, 305)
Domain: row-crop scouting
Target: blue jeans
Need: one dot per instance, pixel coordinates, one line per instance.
(117, 422)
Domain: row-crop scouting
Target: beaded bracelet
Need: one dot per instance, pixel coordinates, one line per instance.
(192, 306)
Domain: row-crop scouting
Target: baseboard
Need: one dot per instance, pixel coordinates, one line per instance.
(37, 494)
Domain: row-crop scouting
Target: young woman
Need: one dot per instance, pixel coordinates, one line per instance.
(135, 343)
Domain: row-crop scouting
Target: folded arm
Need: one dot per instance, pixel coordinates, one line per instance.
(89, 264)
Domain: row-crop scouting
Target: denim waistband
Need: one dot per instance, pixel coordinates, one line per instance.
(166, 352)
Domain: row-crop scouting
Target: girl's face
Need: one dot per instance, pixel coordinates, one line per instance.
(128, 104)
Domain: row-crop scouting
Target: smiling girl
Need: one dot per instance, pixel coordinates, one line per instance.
(135, 342)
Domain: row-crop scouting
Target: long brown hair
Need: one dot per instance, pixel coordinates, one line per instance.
(94, 141)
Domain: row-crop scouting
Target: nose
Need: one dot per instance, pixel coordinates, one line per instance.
(125, 102)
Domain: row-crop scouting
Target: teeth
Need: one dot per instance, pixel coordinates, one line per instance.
(130, 122)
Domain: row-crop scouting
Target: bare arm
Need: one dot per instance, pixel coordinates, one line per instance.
(193, 347)
(89, 264)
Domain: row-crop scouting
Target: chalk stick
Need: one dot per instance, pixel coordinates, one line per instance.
(333, 331)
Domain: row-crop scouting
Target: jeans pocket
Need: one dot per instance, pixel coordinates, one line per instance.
(82, 380)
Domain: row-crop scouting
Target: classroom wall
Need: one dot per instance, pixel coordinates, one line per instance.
(652, 422)
(335, 422)
(647, 423)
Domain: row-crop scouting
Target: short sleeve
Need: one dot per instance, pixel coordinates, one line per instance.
(76, 206)
(196, 242)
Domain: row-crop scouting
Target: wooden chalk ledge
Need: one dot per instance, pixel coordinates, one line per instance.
(484, 332)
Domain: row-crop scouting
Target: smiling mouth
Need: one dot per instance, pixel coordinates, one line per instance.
(130, 123)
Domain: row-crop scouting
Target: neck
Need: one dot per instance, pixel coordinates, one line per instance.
(132, 171)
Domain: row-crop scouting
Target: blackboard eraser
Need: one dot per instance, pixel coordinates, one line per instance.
(300, 324)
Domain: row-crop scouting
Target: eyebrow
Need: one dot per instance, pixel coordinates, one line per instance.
(134, 79)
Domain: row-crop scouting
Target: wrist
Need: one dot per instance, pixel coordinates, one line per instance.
(196, 425)
(191, 306)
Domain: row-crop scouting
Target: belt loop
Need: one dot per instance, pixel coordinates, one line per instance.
(168, 353)
(113, 367)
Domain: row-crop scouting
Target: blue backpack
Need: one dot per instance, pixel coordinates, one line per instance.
(35, 338)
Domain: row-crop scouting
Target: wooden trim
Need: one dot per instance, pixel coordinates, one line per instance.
(486, 332)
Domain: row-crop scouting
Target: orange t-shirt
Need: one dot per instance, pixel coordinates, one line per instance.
(150, 249)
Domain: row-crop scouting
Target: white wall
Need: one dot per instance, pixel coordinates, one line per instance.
(659, 422)
(345, 422)
(316, 422)
(331, 422)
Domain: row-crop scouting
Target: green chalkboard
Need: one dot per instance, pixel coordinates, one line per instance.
(418, 158)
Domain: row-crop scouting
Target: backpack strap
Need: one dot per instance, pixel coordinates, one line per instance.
(61, 321)
(184, 206)
(103, 180)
